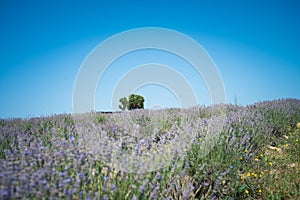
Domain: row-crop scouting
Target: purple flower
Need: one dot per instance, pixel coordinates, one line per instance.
(72, 138)
(68, 180)
(63, 174)
(4, 192)
(142, 188)
(115, 129)
(114, 188)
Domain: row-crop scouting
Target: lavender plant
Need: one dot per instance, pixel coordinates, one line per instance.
(216, 152)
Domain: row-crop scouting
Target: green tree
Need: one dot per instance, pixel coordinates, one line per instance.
(134, 102)
(124, 103)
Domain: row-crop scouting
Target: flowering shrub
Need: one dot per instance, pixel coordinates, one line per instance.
(53, 157)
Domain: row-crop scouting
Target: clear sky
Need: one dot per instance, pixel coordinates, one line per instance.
(255, 45)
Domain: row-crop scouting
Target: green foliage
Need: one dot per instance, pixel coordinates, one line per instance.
(100, 119)
(134, 102)
(124, 103)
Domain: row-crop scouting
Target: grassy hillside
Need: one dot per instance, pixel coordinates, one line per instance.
(218, 152)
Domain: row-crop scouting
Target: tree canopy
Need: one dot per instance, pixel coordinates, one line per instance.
(134, 101)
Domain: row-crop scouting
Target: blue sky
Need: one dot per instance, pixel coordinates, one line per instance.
(255, 45)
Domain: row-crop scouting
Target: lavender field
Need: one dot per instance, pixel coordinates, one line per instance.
(217, 152)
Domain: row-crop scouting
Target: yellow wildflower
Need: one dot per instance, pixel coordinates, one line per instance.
(255, 175)
(248, 174)
(261, 155)
(246, 151)
(246, 191)
(297, 140)
(256, 159)
(286, 145)
(270, 163)
(259, 191)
